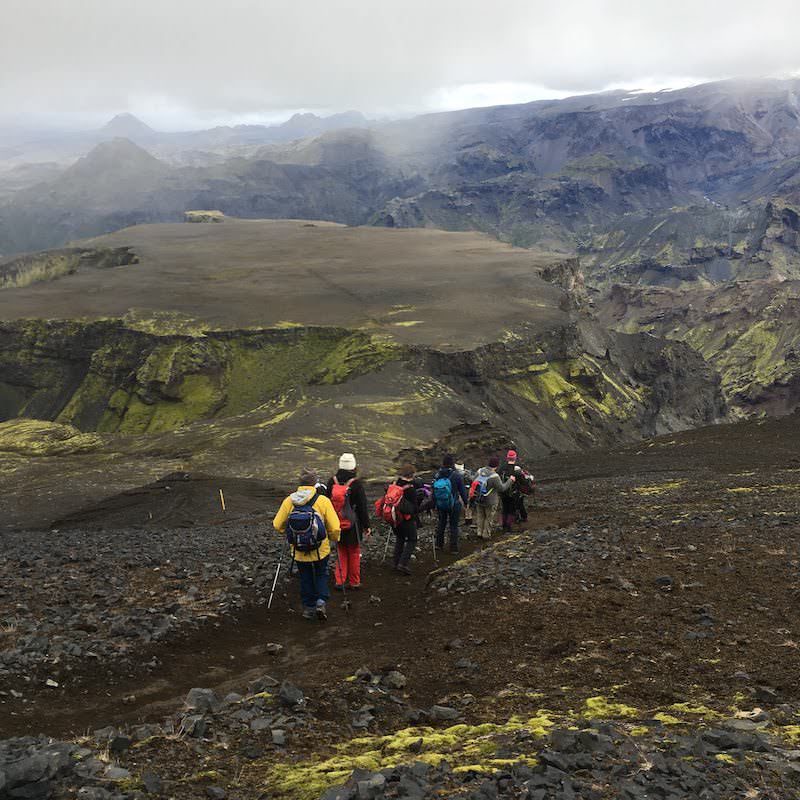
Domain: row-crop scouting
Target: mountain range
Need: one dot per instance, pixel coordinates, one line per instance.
(632, 182)
(683, 207)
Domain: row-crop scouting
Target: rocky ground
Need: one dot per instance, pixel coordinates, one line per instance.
(638, 639)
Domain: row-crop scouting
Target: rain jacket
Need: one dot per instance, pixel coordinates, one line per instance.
(323, 506)
(358, 501)
(495, 484)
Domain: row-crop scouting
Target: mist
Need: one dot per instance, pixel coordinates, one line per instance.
(188, 64)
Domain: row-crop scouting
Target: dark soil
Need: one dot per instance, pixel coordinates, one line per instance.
(663, 577)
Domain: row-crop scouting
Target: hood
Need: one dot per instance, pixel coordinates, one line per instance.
(485, 472)
(302, 495)
(344, 475)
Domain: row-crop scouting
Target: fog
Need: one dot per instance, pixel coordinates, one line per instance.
(181, 63)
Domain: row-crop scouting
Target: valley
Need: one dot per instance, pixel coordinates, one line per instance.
(606, 283)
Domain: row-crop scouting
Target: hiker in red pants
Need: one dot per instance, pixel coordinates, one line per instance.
(347, 494)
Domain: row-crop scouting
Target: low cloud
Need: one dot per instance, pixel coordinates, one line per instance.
(257, 58)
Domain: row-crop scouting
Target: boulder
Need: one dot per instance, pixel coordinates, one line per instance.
(202, 700)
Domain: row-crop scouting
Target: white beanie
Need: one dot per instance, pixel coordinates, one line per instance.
(347, 461)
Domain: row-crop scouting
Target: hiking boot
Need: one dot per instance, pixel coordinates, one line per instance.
(339, 587)
(355, 586)
(309, 613)
(322, 611)
(404, 569)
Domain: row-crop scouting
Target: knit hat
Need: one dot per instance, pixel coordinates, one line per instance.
(448, 461)
(347, 461)
(511, 455)
(460, 467)
(494, 462)
(308, 477)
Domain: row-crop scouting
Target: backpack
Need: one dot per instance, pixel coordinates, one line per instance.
(443, 493)
(340, 497)
(305, 529)
(425, 498)
(482, 489)
(526, 483)
(388, 507)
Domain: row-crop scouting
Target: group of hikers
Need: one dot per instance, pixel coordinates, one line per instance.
(318, 514)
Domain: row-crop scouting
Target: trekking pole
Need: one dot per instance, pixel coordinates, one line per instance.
(433, 542)
(345, 601)
(386, 548)
(277, 573)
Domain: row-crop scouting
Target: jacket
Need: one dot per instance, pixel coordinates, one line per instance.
(495, 485)
(456, 481)
(323, 507)
(408, 505)
(505, 472)
(358, 500)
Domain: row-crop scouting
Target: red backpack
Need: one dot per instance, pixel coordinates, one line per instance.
(387, 507)
(340, 497)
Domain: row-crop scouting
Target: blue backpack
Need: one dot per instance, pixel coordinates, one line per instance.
(305, 529)
(443, 493)
(482, 490)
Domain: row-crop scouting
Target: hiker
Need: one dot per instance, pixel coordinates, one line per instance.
(349, 499)
(509, 499)
(449, 494)
(310, 524)
(399, 508)
(525, 484)
(467, 478)
(486, 491)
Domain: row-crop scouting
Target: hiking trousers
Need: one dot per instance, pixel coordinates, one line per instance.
(509, 512)
(348, 565)
(451, 517)
(484, 515)
(313, 582)
(405, 542)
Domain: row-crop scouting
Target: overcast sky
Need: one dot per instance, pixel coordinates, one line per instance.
(187, 63)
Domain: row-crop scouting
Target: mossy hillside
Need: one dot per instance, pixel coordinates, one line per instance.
(753, 353)
(26, 270)
(107, 377)
(45, 267)
(748, 332)
(37, 438)
(577, 386)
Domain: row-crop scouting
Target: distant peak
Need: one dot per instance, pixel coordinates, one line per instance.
(115, 154)
(127, 125)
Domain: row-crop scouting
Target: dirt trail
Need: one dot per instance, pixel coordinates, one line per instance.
(405, 625)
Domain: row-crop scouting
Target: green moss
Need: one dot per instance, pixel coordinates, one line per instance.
(31, 437)
(695, 710)
(600, 707)
(39, 268)
(575, 386)
(356, 354)
(666, 719)
(470, 747)
(131, 784)
(657, 489)
(207, 775)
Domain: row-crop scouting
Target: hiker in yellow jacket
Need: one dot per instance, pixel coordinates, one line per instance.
(310, 522)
